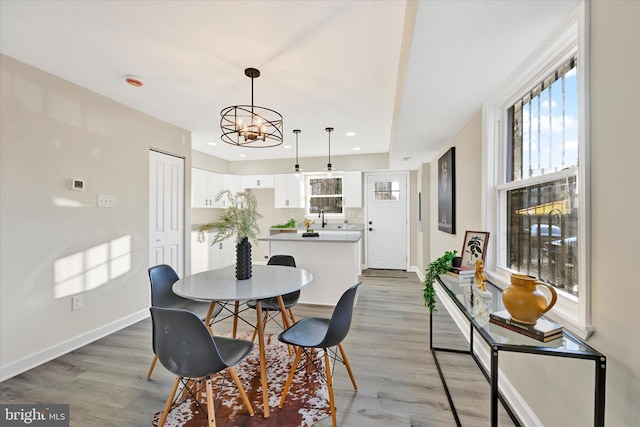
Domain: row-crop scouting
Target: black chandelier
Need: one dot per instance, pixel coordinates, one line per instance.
(250, 125)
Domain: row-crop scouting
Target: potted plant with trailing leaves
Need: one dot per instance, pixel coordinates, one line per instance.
(437, 267)
(240, 219)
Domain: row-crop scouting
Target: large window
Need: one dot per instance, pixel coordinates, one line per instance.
(536, 188)
(542, 211)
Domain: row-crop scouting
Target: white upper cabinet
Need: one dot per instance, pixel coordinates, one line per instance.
(231, 183)
(289, 190)
(256, 181)
(204, 187)
(215, 182)
(352, 189)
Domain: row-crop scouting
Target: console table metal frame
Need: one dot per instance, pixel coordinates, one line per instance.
(529, 347)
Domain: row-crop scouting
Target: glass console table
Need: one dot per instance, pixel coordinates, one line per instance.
(476, 309)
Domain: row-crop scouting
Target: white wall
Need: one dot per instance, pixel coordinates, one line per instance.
(560, 392)
(52, 131)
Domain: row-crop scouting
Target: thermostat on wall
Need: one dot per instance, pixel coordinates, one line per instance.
(77, 184)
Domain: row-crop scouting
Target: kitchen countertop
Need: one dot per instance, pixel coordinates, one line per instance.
(328, 227)
(297, 237)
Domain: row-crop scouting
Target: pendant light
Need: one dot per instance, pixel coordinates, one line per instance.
(297, 167)
(329, 130)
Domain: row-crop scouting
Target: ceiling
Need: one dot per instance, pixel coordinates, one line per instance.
(404, 76)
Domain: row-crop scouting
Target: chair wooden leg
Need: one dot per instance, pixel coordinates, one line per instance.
(290, 377)
(293, 318)
(211, 412)
(167, 406)
(208, 319)
(243, 394)
(327, 368)
(346, 363)
(283, 311)
(153, 365)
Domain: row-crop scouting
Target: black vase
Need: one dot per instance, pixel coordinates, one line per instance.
(243, 259)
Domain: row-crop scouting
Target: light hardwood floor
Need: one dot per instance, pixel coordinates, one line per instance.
(388, 347)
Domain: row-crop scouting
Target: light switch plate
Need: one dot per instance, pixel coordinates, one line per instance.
(106, 201)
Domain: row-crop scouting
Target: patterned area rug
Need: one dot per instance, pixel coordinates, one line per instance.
(307, 401)
(391, 274)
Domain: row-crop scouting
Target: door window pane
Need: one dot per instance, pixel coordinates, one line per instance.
(386, 191)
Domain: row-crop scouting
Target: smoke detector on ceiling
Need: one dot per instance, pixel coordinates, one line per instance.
(134, 80)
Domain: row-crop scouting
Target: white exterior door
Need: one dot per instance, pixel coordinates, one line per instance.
(386, 222)
(166, 211)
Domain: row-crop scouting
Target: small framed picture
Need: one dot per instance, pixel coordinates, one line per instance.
(474, 247)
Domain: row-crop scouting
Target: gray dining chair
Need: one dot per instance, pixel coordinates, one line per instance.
(162, 277)
(322, 333)
(186, 348)
(270, 307)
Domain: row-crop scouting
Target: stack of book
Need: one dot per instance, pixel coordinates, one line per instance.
(544, 330)
(461, 273)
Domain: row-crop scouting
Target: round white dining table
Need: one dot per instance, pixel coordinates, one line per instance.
(267, 281)
(221, 285)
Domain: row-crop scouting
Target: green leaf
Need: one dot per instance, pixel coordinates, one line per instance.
(435, 268)
(239, 219)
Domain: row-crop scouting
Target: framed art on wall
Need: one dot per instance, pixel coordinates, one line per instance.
(420, 211)
(474, 247)
(447, 192)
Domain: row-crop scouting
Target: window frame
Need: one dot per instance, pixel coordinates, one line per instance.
(574, 312)
(307, 195)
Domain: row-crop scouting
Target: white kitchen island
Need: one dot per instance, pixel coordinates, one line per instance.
(332, 258)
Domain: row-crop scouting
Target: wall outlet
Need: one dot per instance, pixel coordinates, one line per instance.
(76, 302)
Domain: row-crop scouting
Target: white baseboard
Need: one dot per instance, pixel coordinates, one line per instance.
(508, 391)
(15, 368)
(415, 269)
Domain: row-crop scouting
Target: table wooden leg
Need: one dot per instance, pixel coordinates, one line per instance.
(263, 360)
(236, 310)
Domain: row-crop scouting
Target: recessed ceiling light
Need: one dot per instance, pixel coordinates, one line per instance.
(351, 133)
(213, 143)
(356, 148)
(286, 146)
(242, 155)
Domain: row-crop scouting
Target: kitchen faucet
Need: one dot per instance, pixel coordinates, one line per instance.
(321, 215)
